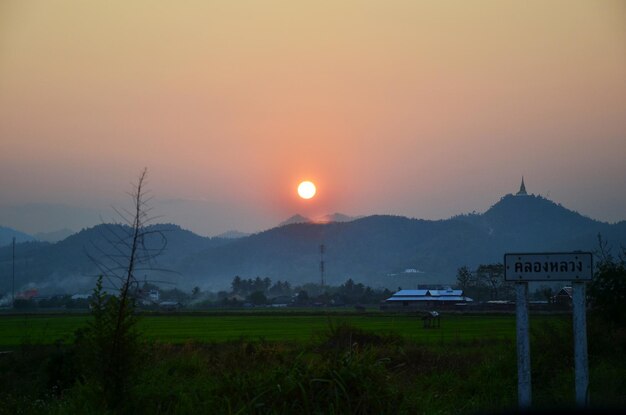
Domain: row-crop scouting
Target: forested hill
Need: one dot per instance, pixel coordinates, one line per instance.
(73, 263)
(521, 219)
(368, 249)
(372, 248)
(365, 249)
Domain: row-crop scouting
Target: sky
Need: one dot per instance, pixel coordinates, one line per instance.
(425, 109)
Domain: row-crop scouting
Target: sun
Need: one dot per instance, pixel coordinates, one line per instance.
(306, 190)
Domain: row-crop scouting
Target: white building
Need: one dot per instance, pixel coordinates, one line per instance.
(427, 298)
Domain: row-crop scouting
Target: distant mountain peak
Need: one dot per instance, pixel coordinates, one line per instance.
(297, 218)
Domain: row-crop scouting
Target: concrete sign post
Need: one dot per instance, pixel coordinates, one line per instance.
(562, 266)
(581, 365)
(524, 388)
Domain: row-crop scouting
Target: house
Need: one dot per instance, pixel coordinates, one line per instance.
(281, 301)
(27, 294)
(427, 298)
(563, 297)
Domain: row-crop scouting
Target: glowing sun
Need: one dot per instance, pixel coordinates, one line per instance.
(306, 190)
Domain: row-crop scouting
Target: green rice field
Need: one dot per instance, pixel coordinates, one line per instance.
(179, 328)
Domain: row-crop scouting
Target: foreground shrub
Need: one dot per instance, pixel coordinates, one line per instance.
(109, 348)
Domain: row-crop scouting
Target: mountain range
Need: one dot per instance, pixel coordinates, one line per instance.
(7, 235)
(370, 249)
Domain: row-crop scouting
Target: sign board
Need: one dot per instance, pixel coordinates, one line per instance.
(560, 266)
(556, 266)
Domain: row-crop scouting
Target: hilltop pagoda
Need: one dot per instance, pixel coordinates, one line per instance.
(522, 189)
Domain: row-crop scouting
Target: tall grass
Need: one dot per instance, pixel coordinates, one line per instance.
(343, 369)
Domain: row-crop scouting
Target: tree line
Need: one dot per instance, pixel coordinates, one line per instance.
(262, 291)
(485, 283)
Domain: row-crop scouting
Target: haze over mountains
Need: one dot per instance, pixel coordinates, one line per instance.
(7, 235)
(334, 217)
(368, 249)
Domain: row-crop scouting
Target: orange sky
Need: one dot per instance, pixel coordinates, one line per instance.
(425, 109)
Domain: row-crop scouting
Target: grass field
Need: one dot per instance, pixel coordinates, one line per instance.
(305, 361)
(34, 329)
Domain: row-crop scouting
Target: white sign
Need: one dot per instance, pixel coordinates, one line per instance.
(561, 266)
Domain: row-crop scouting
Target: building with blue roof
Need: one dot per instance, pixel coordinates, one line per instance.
(427, 298)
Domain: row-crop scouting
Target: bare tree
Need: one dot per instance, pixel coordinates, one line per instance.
(112, 337)
(464, 278)
(129, 246)
(493, 276)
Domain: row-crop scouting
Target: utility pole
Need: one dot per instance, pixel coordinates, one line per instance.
(13, 276)
(322, 264)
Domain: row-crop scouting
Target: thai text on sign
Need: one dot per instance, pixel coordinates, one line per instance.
(562, 266)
